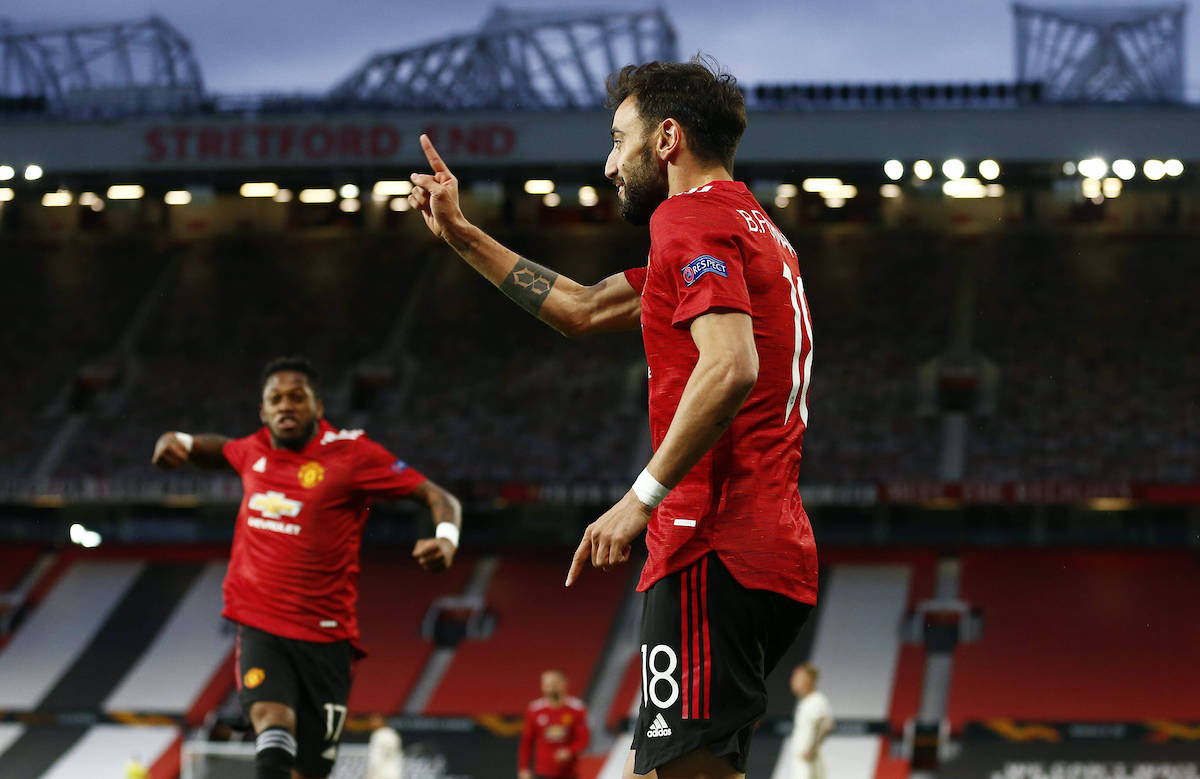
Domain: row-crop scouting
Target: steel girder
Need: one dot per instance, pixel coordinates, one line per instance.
(517, 60)
(117, 68)
(1125, 54)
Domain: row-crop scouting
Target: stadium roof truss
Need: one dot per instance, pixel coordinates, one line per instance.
(1105, 54)
(518, 59)
(100, 69)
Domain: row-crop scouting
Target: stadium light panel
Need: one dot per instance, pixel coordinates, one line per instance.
(283, 196)
(588, 196)
(177, 197)
(835, 202)
(781, 201)
(350, 205)
(125, 192)
(1124, 169)
(317, 196)
(890, 190)
(551, 199)
(399, 204)
(820, 184)
(1069, 168)
(893, 169)
(995, 190)
(1154, 169)
(787, 191)
(7, 172)
(954, 168)
(87, 198)
(539, 186)
(1093, 168)
(33, 172)
(6, 194)
(57, 199)
(392, 188)
(349, 191)
(1091, 188)
(1111, 187)
(845, 192)
(923, 170)
(989, 169)
(89, 539)
(964, 188)
(1173, 167)
(259, 189)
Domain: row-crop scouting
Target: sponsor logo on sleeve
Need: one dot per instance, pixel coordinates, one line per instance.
(399, 466)
(705, 263)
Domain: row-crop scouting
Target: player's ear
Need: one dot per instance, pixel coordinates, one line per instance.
(668, 139)
(262, 413)
(320, 409)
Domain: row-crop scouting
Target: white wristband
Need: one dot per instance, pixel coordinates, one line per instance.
(648, 490)
(186, 439)
(448, 531)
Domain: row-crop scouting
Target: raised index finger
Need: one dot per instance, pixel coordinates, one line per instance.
(435, 159)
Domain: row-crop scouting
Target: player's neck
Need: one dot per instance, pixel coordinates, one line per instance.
(682, 177)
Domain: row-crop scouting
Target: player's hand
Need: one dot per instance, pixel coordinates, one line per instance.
(436, 195)
(607, 540)
(169, 452)
(562, 755)
(809, 755)
(434, 554)
(524, 773)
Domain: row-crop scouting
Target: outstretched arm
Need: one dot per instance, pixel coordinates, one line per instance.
(204, 451)
(569, 307)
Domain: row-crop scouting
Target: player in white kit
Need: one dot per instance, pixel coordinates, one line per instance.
(813, 721)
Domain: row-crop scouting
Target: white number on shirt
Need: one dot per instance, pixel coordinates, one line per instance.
(803, 325)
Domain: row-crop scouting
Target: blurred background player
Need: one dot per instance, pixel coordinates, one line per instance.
(292, 582)
(813, 721)
(731, 574)
(555, 733)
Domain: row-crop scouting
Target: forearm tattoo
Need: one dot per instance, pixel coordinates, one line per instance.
(528, 285)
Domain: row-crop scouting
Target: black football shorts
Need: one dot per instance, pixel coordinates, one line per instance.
(708, 644)
(311, 678)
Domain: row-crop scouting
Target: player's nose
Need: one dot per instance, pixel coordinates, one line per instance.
(610, 166)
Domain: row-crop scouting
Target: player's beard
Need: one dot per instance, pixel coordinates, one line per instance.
(645, 187)
(298, 439)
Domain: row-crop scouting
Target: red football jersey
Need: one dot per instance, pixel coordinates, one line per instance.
(548, 729)
(713, 249)
(293, 570)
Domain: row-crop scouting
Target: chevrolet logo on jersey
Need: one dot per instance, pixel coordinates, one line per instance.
(274, 505)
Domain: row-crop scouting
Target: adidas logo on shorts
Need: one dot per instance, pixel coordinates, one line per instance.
(658, 727)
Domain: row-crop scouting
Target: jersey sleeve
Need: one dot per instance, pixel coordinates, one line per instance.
(701, 260)
(236, 450)
(637, 278)
(382, 474)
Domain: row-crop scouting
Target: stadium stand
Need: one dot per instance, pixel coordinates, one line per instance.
(1077, 636)
(566, 629)
(1090, 331)
(393, 598)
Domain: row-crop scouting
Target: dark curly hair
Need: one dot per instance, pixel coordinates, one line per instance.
(292, 363)
(706, 102)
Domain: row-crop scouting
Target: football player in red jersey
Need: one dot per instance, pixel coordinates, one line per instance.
(555, 734)
(731, 573)
(292, 582)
